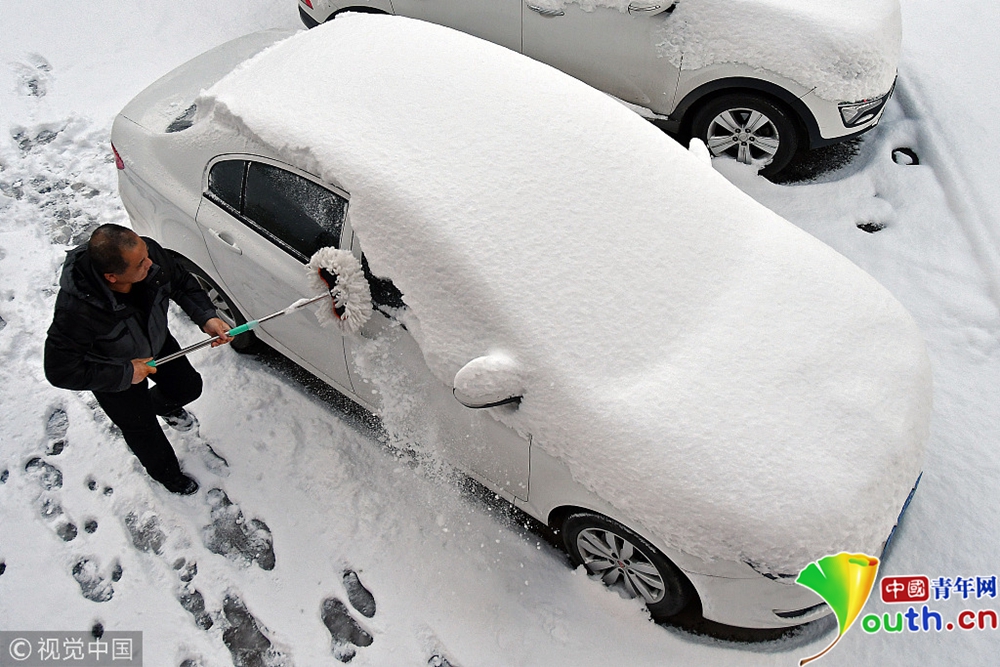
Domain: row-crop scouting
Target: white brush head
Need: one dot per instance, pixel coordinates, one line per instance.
(350, 293)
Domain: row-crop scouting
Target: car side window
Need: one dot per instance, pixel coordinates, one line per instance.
(299, 215)
(225, 181)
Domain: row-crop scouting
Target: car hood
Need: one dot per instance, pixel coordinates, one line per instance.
(703, 365)
(847, 50)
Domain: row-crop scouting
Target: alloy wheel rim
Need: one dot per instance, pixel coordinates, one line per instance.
(617, 561)
(218, 302)
(745, 134)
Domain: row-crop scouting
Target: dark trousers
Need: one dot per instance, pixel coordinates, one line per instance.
(134, 411)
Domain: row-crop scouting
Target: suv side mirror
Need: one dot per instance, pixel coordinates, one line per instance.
(651, 8)
(488, 381)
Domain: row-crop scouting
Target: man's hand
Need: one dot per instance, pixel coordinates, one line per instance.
(216, 327)
(140, 370)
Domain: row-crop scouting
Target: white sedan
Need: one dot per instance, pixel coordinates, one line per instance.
(569, 307)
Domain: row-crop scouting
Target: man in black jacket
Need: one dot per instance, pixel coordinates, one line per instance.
(110, 319)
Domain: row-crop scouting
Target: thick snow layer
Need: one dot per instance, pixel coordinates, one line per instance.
(712, 371)
(847, 50)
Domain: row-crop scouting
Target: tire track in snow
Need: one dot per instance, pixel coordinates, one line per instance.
(969, 208)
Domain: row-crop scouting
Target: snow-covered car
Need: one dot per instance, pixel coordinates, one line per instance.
(569, 307)
(756, 80)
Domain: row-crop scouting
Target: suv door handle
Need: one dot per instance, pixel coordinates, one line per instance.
(229, 245)
(545, 12)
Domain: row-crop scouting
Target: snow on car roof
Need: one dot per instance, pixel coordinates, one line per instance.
(703, 365)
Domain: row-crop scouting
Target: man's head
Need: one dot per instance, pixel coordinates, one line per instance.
(119, 255)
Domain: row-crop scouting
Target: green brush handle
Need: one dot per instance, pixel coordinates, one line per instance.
(243, 328)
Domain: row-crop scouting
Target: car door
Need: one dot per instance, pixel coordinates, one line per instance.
(262, 222)
(388, 369)
(611, 50)
(497, 21)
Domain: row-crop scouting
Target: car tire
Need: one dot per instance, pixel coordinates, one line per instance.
(625, 560)
(245, 343)
(361, 9)
(749, 128)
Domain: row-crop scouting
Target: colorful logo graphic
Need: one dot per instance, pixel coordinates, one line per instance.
(844, 581)
(905, 589)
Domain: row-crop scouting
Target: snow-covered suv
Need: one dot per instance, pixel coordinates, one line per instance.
(756, 80)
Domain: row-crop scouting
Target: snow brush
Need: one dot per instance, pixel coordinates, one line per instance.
(337, 275)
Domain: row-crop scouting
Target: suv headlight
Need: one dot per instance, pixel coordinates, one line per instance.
(859, 113)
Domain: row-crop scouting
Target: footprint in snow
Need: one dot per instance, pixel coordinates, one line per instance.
(359, 596)
(50, 479)
(56, 427)
(232, 536)
(245, 637)
(190, 597)
(345, 632)
(214, 461)
(96, 584)
(47, 475)
(94, 486)
(34, 74)
(193, 602)
(39, 187)
(145, 531)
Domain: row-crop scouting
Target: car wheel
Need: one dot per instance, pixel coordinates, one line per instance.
(749, 128)
(246, 343)
(626, 561)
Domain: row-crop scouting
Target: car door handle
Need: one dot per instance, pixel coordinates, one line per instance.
(229, 245)
(545, 12)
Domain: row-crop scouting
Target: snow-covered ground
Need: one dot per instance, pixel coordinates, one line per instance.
(451, 577)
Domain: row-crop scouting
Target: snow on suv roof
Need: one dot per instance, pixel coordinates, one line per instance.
(844, 50)
(699, 362)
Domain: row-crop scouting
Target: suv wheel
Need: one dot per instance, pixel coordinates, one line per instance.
(749, 128)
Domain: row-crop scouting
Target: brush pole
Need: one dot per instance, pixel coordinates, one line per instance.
(236, 331)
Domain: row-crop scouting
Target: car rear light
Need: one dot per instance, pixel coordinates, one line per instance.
(308, 3)
(118, 158)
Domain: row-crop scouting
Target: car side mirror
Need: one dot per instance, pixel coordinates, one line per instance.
(651, 8)
(489, 381)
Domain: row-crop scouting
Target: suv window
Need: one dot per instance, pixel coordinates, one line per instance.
(225, 181)
(299, 215)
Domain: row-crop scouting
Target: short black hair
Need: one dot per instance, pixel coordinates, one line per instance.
(107, 246)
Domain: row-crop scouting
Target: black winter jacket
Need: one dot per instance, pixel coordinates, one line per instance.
(94, 338)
